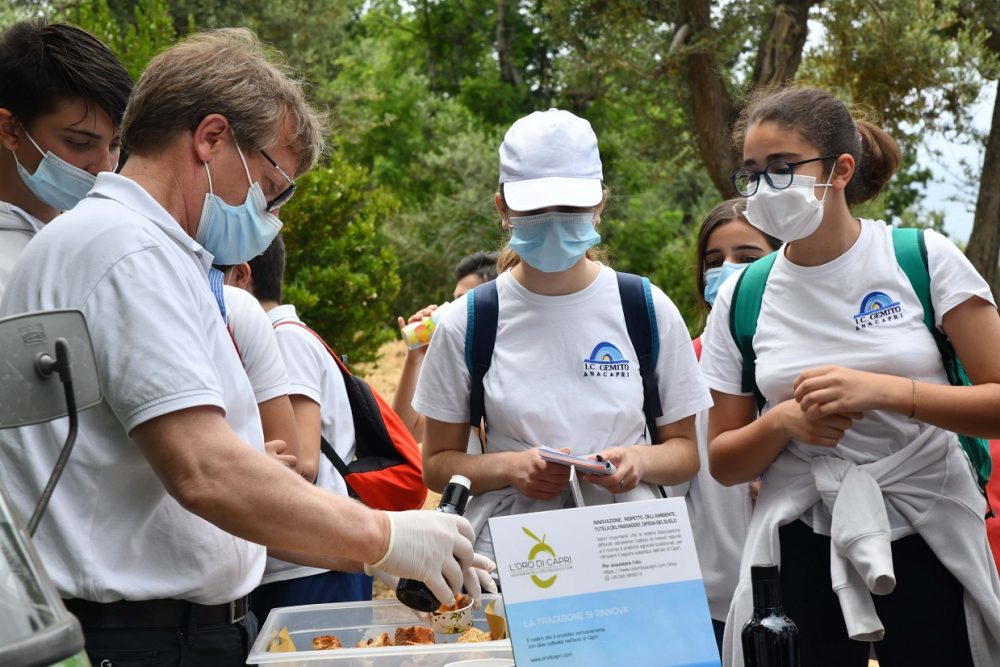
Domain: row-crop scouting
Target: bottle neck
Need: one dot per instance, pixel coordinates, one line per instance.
(767, 596)
(454, 498)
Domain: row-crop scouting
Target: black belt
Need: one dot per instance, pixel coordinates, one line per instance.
(155, 613)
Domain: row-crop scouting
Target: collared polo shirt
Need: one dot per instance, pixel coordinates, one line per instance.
(112, 531)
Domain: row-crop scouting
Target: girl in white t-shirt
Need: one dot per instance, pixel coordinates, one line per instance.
(719, 514)
(558, 311)
(866, 490)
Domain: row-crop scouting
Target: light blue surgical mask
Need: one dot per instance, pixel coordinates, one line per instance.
(715, 276)
(236, 234)
(56, 182)
(553, 241)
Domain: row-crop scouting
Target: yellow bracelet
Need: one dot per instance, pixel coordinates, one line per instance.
(913, 408)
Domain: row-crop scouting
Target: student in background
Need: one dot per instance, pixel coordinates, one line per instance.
(471, 271)
(62, 96)
(727, 243)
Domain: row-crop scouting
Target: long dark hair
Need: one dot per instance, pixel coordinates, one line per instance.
(826, 123)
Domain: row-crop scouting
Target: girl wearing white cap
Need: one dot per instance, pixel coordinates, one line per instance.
(868, 502)
(563, 371)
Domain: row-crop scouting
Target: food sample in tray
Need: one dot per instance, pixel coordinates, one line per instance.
(414, 634)
(372, 642)
(461, 602)
(474, 635)
(325, 642)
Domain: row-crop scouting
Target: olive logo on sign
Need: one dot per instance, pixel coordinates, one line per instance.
(540, 547)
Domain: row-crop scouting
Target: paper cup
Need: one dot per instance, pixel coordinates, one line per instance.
(452, 622)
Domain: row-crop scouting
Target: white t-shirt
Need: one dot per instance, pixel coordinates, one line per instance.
(17, 227)
(112, 531)
(256, 344)
(547, 386)
(858, 311)
(313, 373)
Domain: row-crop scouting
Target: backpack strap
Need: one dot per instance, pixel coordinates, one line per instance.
(334, 458)
(640, 322)
(483, 312)
(910, 249)
(743, 313)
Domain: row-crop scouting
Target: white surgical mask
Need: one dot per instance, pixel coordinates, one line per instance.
(789, 214)
(236, 234)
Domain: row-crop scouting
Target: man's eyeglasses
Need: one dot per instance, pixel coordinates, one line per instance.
(778, 175)
(285, 194)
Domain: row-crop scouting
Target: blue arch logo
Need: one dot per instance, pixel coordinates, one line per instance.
(606, 353)
(875, 303)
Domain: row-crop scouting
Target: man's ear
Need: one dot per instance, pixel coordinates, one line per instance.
(239, 276)
(8, 130)
(209, 136)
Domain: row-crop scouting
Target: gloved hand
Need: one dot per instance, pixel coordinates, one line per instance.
(478, 579)
(434, 548)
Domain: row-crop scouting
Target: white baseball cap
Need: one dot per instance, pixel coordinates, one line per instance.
(550, 158)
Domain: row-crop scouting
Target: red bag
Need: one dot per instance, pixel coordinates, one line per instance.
(387, 472)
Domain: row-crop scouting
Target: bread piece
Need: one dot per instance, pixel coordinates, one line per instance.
(414, 634)
(326, 642)
(474, 635)
(373, 642)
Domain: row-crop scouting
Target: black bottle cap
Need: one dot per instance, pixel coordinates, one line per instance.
(766, 585)
(456, 494)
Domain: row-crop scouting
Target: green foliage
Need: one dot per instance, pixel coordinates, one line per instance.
(134, 36)
(341, 273)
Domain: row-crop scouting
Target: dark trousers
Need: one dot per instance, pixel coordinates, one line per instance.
(207, 646)
(924, 617)
(315, 589)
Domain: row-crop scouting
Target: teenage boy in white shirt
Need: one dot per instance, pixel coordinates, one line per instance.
(62, 95)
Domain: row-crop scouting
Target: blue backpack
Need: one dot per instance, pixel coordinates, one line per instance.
(640, 321)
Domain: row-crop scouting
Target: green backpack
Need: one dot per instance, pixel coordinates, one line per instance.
(911, 254)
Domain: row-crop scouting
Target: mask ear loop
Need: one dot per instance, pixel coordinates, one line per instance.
(826, 186)
(242, 159)
(209, 172)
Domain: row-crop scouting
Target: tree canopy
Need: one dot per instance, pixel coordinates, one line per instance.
(422, 91)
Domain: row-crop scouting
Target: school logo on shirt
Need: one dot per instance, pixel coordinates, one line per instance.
(877, 308)
(606, 361)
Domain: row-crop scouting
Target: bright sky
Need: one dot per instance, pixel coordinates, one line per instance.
(948, 183)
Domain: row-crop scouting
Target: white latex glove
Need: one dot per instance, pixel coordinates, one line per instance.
(431, 547)
(478, 579)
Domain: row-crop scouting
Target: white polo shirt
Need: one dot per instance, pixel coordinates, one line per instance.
(17, 227)
(313, 373)
(256, 344)
(112, 531)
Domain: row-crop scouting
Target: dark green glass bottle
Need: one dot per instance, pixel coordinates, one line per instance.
(770, 639)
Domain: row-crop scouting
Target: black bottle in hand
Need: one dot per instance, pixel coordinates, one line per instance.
(415, 594)
(770, 639)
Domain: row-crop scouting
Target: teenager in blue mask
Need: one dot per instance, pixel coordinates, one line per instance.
(726, 244)
(564, 372)
(62, 95)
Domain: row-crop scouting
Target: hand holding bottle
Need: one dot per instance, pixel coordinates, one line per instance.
(433, 548)
(417, 331)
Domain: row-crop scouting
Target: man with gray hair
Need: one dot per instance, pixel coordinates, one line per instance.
(154, 533)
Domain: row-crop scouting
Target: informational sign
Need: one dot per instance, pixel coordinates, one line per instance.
(604, 585)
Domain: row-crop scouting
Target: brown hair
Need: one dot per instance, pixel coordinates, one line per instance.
(230, 72)
(727, 211)
(826, 123)
(508, 259)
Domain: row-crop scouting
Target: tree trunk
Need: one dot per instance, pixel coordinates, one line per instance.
(508, 73)
(713, 110)
(984, 242)
(712, 107)
(780, 49)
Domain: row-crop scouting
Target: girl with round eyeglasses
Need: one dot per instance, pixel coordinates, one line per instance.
(868, 502)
